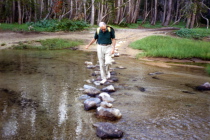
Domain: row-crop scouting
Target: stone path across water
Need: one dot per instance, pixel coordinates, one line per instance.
(101, 100)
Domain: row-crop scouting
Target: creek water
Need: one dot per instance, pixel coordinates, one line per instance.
(39, 98)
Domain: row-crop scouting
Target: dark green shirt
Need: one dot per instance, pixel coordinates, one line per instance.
(105, 37)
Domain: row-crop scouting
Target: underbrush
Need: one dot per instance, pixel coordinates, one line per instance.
(55, 25)
(46, 26)
(196, 33)
(179, 48)
(48, 44)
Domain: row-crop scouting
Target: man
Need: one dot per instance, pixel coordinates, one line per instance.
(106, 45)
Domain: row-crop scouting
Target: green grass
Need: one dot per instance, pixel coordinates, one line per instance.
(169, 47)
(159, 25)
(48, 44)
(13, 27)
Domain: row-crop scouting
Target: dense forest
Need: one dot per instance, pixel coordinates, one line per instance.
(191, 12)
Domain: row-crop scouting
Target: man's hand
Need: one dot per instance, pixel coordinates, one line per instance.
(112, 51)
(86, 47)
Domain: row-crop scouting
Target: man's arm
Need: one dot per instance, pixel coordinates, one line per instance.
(91, 42)
(113, 45)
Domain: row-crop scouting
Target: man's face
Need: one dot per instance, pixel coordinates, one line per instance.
(103, 28)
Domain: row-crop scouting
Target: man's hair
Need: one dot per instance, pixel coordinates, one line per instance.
(101, 24)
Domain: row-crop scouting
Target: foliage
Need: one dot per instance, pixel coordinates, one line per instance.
(208, 69)
(43, 23)
(69, 25)
(197, 33)
(55, 25)
(48, 44)
(165, 46)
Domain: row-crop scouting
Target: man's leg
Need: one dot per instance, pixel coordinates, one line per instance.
(101, 59)
(108, 61)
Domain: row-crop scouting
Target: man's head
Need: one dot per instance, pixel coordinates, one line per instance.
(102, 26)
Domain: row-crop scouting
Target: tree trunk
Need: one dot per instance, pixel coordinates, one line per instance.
(136, 12)
(35, 11)
(188, 21)
(92, 13)
(169, 13)
(177, 11)
(19, 13)
(118, 12)
(207, 20)
(164, 12)
(193, 16)
(154, 16)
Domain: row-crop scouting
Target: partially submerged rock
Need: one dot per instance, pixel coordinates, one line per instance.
(109, 88)
(106, 97)
(88, 63)
(120, 67)
(155, 73)
(108, 113)
(84, 97)
(91, 66)
(106, 104)
(91, 103)
(205, 86)
(107, 130)
(92, 91)
(87, 87)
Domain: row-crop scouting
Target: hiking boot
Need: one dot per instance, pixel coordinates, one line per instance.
(103, 81)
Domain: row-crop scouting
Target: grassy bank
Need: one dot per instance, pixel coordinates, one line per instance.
(13, 27)
(48, 44)
(165, 46)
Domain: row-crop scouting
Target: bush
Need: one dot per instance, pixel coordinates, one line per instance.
(193, 33)
(69, 25)
(55, 25)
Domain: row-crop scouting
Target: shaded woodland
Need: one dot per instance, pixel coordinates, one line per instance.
(191, 12)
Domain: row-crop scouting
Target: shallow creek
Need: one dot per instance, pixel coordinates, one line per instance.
(39, 98)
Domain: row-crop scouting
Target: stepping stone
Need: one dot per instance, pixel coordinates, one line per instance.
(106, 97)
(106, 130)
(91, 103)
(108, 89)
(108, 113)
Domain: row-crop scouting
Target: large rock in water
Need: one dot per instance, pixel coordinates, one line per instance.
(108, 113)
(91, 103)
(106, 97)
(92, 91)
(108, 89)
(107, 130)
(205, 86)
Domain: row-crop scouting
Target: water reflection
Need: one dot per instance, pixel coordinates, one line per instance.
(62, 109)
(10, 127)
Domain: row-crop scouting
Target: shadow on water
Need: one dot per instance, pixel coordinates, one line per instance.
(39, 98)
